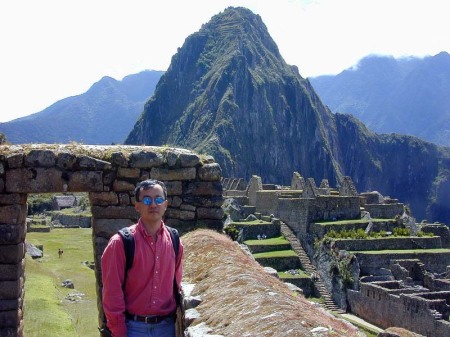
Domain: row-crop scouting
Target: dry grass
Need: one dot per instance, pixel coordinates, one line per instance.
(241, 299)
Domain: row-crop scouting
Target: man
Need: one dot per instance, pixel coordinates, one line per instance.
(145, 305)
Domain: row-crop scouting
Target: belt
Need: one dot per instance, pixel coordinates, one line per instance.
(148, 319)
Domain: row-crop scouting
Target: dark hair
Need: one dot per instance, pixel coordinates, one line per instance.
(146, 184)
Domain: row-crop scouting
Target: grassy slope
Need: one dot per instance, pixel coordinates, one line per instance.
(47, 312)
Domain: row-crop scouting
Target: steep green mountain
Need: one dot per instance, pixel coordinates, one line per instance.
(228, 92)
(406, 95)
(104, 114)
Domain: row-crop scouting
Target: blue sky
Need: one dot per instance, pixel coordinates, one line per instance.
(52, 49)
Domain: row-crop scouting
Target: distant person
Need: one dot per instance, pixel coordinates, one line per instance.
(60, 252)
(145, 305)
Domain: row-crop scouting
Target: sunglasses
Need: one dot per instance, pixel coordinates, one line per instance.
(148, 200)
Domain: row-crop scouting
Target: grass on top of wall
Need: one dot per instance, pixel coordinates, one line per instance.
(251, 223)
(286, 275)
(354, 221)
(49, 308)
(404, 251)
(280, 240)
(275, 253)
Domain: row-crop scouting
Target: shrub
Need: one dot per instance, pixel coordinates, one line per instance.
(232, 232)
(39, 203)
(401, 231)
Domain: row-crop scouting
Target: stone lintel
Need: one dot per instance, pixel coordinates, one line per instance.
(82, 181)
(34, 180)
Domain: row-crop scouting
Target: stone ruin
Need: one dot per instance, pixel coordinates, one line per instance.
(393, 292)
(303, 202)
(109, 175)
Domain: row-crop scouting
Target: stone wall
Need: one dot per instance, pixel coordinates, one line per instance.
(440, 230)
(320, 230)
(413, 310)
(390, 243)
(295, 213)
(72, 220)
(370, 264)
(109, 174)
(384, 211)
(266, 201)
(300, 213)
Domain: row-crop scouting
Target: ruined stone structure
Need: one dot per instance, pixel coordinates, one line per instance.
(109, 174)
(303, 202)
(393, 291)
(389, 304)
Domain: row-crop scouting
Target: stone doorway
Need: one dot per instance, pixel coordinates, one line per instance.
(109, 174)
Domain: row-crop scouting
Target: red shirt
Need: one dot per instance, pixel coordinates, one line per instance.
(149, 287)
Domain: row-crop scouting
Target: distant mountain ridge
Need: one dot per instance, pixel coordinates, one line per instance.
(104, 114)
(406, 95)
(238, 100)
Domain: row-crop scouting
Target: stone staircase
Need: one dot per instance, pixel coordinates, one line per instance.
(309, 268)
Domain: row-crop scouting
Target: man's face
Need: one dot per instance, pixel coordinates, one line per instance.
(149, 205)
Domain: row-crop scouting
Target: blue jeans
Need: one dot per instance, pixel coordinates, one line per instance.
(165, 328)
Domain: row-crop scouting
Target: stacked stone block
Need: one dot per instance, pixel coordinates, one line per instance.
(109, 174)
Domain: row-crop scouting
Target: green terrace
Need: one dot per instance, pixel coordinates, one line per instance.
(320, 229)
(270, 244)
(251, 223)
(404, 251)
(352, 222)
(289, 274)
(279, 259)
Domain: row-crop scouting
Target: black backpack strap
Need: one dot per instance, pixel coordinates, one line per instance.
(176, 247)
(175, 240)
(128, 245)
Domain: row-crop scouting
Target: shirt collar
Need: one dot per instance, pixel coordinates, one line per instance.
(141, 227)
